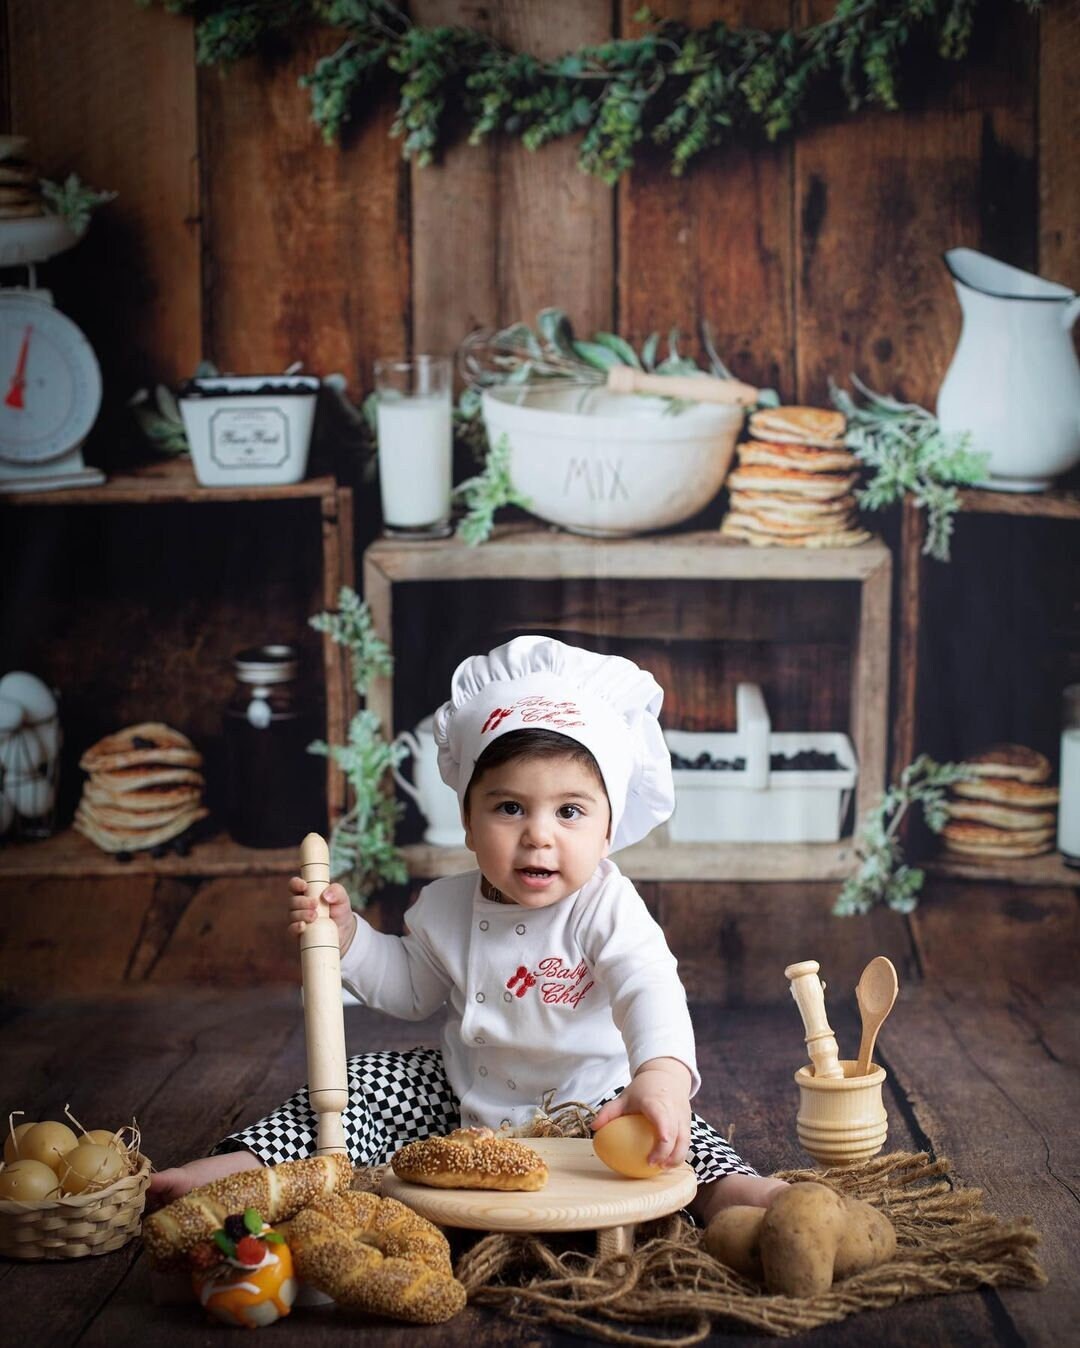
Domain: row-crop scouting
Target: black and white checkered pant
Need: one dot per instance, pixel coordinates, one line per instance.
(396, 1098)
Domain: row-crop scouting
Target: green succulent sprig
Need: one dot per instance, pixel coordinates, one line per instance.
(687, 89)
(73, 200)
(362, 847)
(907, 452)
(884, 876)
(486, 493)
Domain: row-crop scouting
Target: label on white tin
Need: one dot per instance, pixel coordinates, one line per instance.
(249, 437)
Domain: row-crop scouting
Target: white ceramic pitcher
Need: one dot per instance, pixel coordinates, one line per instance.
(1014, 380)
(438, 803)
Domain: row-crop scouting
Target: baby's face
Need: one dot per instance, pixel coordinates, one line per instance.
(539, 827)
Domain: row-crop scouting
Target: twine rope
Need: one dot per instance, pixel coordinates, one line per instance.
(672, 1287)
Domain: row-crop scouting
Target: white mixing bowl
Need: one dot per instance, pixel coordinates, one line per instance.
(611, 464)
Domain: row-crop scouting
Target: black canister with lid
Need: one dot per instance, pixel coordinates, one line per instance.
(276, 789)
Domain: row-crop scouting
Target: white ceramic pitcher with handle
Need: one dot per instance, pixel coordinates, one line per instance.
(1014, 380)
(438, 803)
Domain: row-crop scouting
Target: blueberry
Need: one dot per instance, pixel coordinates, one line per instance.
(235, 1228)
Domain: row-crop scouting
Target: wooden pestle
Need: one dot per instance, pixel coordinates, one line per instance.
(809, 993)
(324, 1019)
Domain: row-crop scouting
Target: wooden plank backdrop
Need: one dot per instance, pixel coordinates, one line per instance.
(238, 236)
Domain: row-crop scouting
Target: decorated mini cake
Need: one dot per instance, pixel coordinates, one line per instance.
(244, 1276)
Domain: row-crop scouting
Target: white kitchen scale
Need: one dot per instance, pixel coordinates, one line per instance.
(50, 379)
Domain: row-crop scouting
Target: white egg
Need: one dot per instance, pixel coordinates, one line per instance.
(30, 693)
(32, 797)
(11, 714)
(24, 753)
(7, 814)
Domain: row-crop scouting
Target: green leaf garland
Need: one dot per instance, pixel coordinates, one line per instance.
(687, 89)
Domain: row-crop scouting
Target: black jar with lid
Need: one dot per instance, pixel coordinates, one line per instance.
(276, 789)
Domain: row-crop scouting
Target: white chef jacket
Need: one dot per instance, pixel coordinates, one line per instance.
(569, 999)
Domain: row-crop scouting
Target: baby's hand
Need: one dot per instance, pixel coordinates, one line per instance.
(661, 1091)
(303, 909)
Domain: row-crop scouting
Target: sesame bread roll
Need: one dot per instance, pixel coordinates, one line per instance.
(471, 1158)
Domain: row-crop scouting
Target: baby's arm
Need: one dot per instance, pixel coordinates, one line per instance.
(303, 909)
(661, 1091)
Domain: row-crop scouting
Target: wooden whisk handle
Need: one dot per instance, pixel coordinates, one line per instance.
(324, 1018)
(809, 993)
(693, 388)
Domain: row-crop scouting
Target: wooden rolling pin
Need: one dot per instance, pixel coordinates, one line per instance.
(324, 1019)
(809, 993)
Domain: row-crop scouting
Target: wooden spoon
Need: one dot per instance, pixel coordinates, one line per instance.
(875, 993)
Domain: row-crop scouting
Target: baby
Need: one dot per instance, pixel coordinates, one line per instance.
(557, 983)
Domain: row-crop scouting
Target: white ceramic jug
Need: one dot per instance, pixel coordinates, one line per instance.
(1014, 381)
(438, 802)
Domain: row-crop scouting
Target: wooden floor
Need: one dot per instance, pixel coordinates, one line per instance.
(994, 1088)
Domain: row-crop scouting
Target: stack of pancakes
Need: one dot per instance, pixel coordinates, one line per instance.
(144, 788)
(793, 484)
(20, 193)
(1006, 809)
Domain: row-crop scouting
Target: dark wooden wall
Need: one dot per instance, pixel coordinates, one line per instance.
(237, 236)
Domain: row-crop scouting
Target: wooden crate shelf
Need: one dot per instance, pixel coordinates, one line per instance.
(68, 855)
(527, 552)
(165, 482)
(1048, 870)
(173, 482)
(658, 859)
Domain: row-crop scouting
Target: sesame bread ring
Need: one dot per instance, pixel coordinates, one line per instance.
(377, 1255)
(276, 1192)
(471, 1158)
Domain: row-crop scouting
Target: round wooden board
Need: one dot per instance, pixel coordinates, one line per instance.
(581, 1194)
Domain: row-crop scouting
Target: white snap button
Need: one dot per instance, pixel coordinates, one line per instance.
(480, 997)
(484, 925)
(512, 1085)
(505, 1123)
(520, 928)
(482, 1071)
(480, 1039)
(507, 997)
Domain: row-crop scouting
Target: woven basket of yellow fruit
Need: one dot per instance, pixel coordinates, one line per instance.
(65, 1194)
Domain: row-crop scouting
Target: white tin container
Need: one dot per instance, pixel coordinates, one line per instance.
(249, 430)
(612, 464)
(757, 804)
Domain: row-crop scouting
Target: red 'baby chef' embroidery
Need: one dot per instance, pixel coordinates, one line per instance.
(565, 986)
(533, 709)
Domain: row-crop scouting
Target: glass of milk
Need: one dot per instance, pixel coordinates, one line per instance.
(413, 399)
(1068, 838)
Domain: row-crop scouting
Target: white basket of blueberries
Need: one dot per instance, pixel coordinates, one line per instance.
(756, 786)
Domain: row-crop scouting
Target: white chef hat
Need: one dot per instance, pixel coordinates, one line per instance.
(604, 702)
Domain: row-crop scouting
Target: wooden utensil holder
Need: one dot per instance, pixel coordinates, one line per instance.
(841, 1122)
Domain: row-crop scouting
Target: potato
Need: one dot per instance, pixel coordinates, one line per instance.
(91, 1166)
(868, 1239)
(11, 1142)
(47, 1142)
(734, 1238)
(28, 1182)
(104, 1137)
(799, 1237)
(812, 1237)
